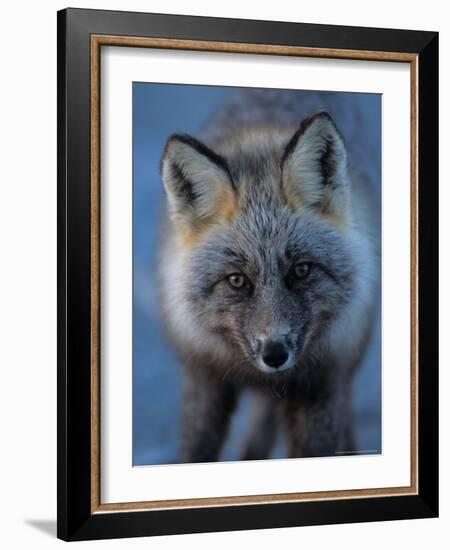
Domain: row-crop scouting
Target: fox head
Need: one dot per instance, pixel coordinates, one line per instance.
(265, 262)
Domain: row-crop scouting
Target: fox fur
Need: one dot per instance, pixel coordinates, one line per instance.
(269, 269)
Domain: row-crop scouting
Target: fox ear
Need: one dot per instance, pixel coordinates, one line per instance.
(197, 181)
(314, 167)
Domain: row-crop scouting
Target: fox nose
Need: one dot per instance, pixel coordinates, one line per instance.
(274, 354)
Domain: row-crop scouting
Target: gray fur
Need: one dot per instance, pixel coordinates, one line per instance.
(324, 321)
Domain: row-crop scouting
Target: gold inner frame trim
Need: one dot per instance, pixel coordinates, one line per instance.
(263, 49)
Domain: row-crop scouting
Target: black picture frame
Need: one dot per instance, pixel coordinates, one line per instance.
(76, 521)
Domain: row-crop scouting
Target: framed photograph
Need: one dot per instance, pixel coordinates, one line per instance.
(247, 255)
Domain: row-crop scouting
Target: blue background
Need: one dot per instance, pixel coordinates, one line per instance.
(158, 111)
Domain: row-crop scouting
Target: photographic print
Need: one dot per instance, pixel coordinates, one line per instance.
(247, 267)
(256, 274)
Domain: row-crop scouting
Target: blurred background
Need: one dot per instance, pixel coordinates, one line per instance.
(158, 111)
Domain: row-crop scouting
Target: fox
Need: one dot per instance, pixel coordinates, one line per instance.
(268, 274)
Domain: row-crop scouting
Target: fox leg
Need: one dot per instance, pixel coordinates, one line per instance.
(207, 406)
(321, 429)
(348, 442)
(263, 424)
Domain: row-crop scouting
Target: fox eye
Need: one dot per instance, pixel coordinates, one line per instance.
(237, 280)
(302, 270)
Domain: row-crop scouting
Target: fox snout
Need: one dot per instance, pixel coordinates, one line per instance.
(273, 354)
